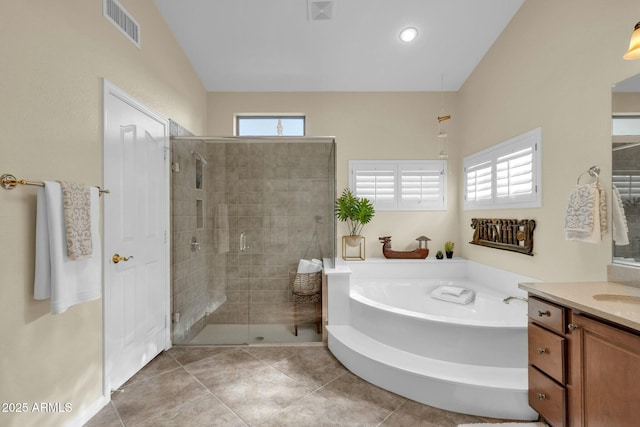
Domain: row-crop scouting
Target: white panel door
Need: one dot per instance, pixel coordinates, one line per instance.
(136, 289)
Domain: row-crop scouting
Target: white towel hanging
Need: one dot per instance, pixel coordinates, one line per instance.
(619, 220)
(66, 282)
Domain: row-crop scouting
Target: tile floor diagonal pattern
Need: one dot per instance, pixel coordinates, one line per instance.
(260, 386)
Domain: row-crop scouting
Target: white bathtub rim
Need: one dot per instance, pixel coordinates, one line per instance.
(357, 292)
(440, 319)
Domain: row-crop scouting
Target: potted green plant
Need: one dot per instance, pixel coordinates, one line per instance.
(439, 255)
(448, 248)
(355, 213)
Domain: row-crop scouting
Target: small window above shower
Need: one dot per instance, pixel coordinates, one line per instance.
(269, 124)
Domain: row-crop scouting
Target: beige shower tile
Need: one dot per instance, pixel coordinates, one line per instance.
(163, 392)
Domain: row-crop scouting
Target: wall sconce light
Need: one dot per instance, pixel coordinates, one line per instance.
(634, 44)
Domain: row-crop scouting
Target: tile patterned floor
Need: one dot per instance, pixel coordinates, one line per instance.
(260, 386)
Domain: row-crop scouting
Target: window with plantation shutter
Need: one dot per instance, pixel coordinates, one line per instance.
(506, 175)
(376, 182)
(478, 179)
(400, 184)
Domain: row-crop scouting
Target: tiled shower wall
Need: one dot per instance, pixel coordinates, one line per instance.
(191, 271)
(280, 194)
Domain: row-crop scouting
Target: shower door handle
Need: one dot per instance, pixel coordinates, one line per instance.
(243, 242)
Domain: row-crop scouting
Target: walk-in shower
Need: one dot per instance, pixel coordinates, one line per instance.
(244, 212)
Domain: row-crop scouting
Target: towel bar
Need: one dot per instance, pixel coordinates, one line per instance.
(9, 182)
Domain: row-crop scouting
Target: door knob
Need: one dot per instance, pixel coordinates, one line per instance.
(116, 258)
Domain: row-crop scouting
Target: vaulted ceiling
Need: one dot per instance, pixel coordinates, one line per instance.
(336, 45)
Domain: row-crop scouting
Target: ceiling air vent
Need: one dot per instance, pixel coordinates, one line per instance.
(320, 10)
(118, 16)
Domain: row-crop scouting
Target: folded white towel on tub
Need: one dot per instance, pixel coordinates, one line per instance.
(444, 293)
(452, 290)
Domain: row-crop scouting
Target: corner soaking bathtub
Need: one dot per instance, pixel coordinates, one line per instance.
(386, 328)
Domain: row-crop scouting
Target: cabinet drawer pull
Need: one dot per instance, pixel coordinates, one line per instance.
(572, 326)
(544, 313)
(541, 350)
(542, 396)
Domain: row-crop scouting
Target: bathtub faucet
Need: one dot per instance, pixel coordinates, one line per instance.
(507, 300)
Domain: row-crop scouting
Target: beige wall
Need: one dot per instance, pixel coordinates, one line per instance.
(53, 58)
(553, 68)
(366, 126)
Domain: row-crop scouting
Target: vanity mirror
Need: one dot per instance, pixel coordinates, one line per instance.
(626, 171)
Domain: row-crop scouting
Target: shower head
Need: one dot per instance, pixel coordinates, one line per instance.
(200, 157)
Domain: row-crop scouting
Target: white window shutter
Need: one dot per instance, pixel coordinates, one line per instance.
(514, 176)
(506, 175)
(400, 184)
(421, 187)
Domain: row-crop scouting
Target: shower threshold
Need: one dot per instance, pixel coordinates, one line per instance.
(236, 334)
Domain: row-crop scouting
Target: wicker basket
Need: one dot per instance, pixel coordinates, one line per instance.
(305, 283)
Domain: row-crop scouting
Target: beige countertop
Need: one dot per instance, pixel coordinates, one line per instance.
(608, 300)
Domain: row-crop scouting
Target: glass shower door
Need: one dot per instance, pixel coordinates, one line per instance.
(265, 205)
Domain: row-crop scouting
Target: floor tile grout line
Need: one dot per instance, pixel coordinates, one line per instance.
(199, 360)
(311, 392)
(115, 409)
(123, 388)
(208, 390)
(393, 412)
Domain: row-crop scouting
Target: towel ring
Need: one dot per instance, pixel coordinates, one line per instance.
(594, 172)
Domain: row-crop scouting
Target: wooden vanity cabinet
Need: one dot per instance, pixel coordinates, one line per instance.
(548, 361)
(584, 372)
(605, 370)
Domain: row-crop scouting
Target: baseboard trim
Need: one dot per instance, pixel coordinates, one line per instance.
(89, 412)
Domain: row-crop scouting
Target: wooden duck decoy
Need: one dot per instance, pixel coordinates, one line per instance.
(421, 253)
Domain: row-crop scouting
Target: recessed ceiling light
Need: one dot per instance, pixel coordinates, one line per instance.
(408, 34)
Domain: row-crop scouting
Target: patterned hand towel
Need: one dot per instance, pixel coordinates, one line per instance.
(586, 217)
(77, 220)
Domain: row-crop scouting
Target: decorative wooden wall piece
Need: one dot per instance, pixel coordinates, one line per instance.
(509, 234)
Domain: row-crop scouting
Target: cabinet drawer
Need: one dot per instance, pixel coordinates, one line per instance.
(547, 397)
(545, 313)
(547, 352)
